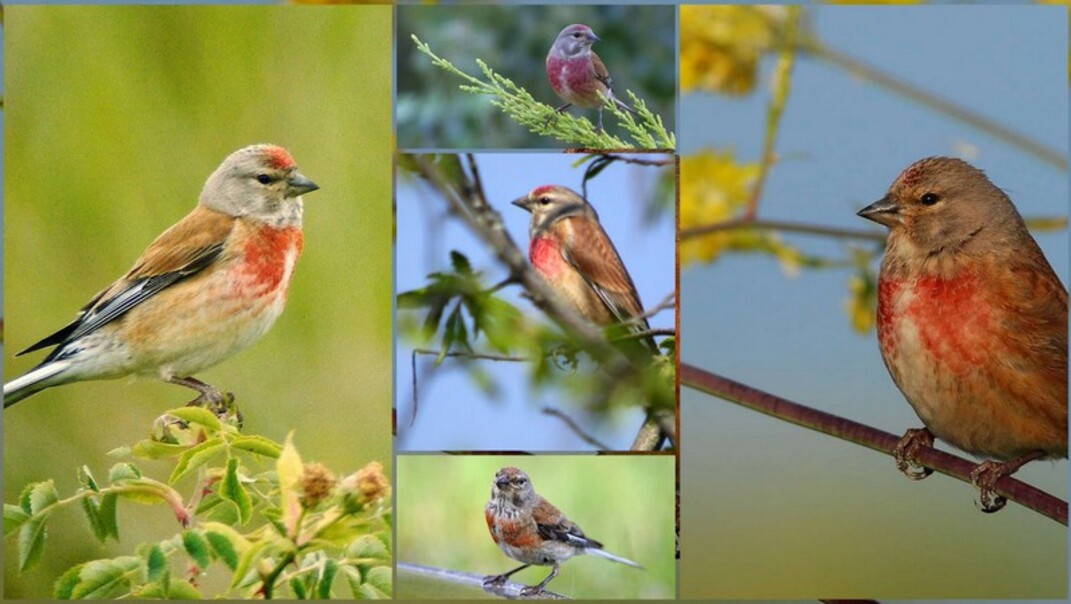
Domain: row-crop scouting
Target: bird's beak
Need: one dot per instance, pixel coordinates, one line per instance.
(297, 184)
(502, 482)
(884, 211)
(523, 203)
(593, 38)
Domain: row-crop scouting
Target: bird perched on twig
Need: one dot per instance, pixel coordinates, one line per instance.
(205, 289)
(577, 74)
(569, 248)
(972, 321)
(529, 529)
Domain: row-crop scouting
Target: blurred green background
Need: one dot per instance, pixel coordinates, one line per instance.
(625, 501)
(114, 118)
(638, 47)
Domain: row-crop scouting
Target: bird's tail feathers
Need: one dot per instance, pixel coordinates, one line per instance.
(605, 554)
(624, 106)
(33, 382)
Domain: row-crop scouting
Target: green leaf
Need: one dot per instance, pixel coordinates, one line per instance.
(298, 587)
(381, 579)
(460, 263)
(198, 548)
(14, 517)
(123, 471)
(289, 469)
(259, 445)
(154, 449)
(101, 578)
(92, 512)
(199, 416)
(368, 547)
(232, 490)
(224, 548)
(86, 478)
(39, 496)
(195, 457)
(249, 557)
(157, 564)
(31, 542)
(63, 588)
(181, 590)
(108, 513)
(323, 589)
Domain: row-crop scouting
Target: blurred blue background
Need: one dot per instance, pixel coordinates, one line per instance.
(776, 511)
(454, 414)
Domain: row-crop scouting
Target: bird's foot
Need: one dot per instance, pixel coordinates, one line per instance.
(495, 580)
(531, 590)
(905, 450)
(985, 475)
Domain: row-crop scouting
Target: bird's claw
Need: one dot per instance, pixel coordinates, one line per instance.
(221, 404)
(904, 453)
(531, 590)
(494, 580)
(984, 476)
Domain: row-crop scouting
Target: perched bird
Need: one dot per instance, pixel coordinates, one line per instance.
(577, 74)
(570, 249)
(972, 321)
(532, 531)
(208, 287)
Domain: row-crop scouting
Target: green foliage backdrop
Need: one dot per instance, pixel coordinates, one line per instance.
(114, 116)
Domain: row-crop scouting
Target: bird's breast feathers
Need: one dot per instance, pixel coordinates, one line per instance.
(935, 321)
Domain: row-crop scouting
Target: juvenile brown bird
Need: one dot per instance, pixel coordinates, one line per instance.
(972, 321)
(530, 530)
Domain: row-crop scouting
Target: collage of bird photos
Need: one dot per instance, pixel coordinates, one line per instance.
(472, 300)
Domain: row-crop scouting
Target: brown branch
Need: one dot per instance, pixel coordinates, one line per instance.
(782, 225)
(575, 427)
(861, 434)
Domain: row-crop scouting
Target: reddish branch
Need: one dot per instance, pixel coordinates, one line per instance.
(861, 434)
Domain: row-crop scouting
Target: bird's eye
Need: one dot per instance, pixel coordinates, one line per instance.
(544, 200)
(263, 179)
(929, 199)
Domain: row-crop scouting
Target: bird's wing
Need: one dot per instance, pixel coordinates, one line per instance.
(1039, 320)
(599, 264)
(185, 249)
(599, 70)
(552, 524)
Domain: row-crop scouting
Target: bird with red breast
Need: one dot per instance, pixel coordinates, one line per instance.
(972, 322)
(205, 289)
(527, 528)
(570, 250)
(577, 74)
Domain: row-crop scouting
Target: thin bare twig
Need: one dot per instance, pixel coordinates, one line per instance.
(861, 434)
(642, 162)
(509, 589)
(575, 427)
(744, 222)
(487, 356)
